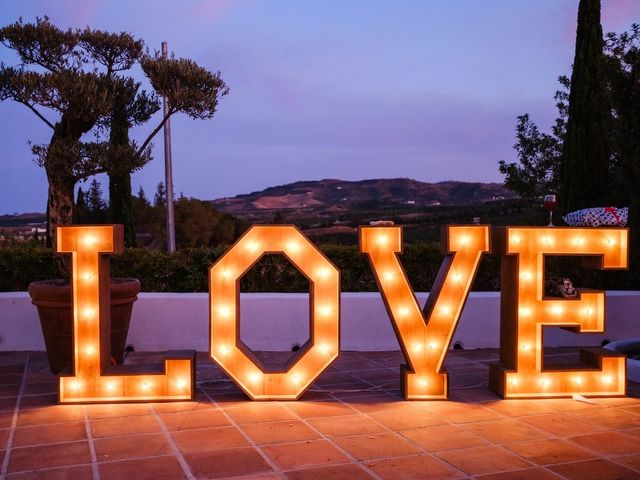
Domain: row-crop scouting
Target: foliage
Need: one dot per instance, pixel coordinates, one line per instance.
(584, 166)
(78, 75)
(187, 270)
(537, 169)
(536, 172)
(53, 78)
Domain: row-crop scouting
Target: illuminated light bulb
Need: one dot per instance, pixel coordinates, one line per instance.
(226, 273)
(90, 240)
(389, 276)
(545, 382)
(608, 379)
(111, 386)
(325, 348)
(423, 382)
(417, 347)
(547, 240)
(252, 246)
(146, 385)
(75, 386)
(90, 350)
(296, 378)
(526, 347)
(557, 310)
(445, 309)
(578, 380)
(433, 345)
(382, 239)
(254, 377)
(611, 241)
(324, 272)
(87, 277)
(457, 277)
(525, 311)
(182, 383)
(513, 382)
(525, 276)
(326, 310)
(579, 241)
(224, 312)
(587, 312)
(88, 312)
(464, 240)
(403, 311)
(516, 239)
(293, 247)
(224, 350)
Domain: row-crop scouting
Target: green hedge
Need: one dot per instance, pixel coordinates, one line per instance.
(187, 270)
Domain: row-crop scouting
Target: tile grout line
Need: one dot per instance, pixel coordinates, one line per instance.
(92, 446)
(502, 447)
(14, 421)
(172, 445)
(265, 457)
(410, 441)
(423, 450)
(329, 439)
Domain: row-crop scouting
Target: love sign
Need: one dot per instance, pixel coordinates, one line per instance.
(424, 334)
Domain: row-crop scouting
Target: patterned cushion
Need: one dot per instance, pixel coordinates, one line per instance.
(595, 217)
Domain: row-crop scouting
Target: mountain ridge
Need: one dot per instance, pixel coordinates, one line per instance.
(335, 196)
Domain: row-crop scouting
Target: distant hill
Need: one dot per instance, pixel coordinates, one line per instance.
(22, 219)
(335, 197)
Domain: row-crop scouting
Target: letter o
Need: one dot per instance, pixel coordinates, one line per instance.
(225, 346)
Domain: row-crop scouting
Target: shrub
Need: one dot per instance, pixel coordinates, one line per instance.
(188, 269)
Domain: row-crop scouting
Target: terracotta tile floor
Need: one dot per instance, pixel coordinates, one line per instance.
(351, 424)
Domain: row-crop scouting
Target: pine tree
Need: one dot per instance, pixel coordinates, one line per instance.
(584, 169)
(160, 198)
(142, 197)
(95, 203)
(81, 212)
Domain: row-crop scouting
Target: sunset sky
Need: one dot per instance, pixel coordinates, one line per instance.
(328, 89)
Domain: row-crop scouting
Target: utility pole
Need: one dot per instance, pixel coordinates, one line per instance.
(168, 173)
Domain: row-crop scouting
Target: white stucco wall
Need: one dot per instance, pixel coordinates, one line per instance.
(167, 321)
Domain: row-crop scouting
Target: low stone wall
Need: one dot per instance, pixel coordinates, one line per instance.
(168, 321)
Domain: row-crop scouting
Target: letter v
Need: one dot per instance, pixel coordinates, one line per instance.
(424, 343)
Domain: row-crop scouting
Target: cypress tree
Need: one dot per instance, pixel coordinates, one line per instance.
(584, 170)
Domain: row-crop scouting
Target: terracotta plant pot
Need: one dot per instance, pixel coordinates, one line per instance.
(53, 299)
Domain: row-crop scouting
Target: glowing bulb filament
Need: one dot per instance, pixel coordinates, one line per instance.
(324, 273)
(293, 247)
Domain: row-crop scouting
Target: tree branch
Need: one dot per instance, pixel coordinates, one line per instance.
(38, 114)
(155, 131)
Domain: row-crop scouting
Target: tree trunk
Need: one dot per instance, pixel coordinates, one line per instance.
(60, 203)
